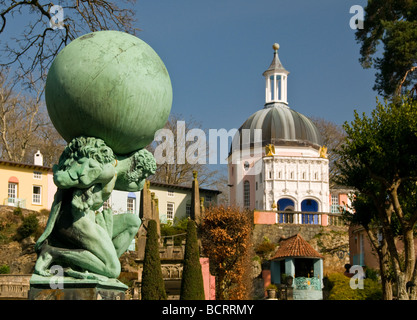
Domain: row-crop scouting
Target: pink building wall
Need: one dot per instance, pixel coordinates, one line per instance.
(265, 217)
(208, 279)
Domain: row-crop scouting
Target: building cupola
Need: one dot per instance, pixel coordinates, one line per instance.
(276, 80)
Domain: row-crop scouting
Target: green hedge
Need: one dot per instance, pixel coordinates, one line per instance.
(339, 289)
(153, 287)
(192, 285)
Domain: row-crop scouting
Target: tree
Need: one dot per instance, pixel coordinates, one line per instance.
(379, 159)
(333, 136)
(225, 236)
(41, 36)
(394, 23)
(153, 287)
(175, 165)
(192, 285)
(366, 215)
(25, 126)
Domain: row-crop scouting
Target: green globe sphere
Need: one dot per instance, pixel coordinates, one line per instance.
(109, 85)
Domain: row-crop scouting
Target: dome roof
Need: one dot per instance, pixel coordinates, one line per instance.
(282, 126)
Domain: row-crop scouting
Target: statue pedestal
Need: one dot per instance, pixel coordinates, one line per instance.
(67, 288)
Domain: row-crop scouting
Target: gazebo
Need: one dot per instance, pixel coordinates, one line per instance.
(297, 258)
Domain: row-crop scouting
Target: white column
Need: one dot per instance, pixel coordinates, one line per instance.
(267, 90)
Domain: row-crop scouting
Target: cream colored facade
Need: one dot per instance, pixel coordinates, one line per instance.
(174, 201)
(28, 186)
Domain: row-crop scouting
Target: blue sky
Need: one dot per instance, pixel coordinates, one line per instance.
(216, 52)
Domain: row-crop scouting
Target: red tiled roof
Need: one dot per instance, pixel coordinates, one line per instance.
(295, 246)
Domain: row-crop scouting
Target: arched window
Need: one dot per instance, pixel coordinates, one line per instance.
(246, 194)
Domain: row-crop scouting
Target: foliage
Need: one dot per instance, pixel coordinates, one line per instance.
(339, 286)
(192, 285)
(394, 23)
(28, 227)
(271, 287)
(225, 235)
(265, 248)
(379, 159)
(179, 226)
(153, 287)
(17, 211)
(4, 269)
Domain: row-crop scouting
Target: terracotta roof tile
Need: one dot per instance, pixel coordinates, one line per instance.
(295, 246)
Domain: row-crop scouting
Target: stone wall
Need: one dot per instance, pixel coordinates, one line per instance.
(330, 241)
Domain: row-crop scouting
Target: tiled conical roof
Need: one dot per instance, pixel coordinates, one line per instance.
(295, 246)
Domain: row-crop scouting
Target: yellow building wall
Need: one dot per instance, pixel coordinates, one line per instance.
(25, 175)
(180, 198)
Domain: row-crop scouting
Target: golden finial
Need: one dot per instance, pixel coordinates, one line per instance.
(275, 46)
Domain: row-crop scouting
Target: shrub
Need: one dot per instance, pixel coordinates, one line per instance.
(153, 287)
(265, 248)
(29, 225)
(4, 269)
(226, 239)
(340, 289)
(172, 229)
(192, 285)
(17, 211)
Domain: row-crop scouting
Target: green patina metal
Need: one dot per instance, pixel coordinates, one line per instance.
(110, 85)
(107, 93)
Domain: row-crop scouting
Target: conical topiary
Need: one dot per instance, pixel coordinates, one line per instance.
(192, 285)
(153, 287)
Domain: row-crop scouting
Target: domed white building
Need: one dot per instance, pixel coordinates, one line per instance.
(277, 160)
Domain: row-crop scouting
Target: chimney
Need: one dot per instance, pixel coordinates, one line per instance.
(38, 159)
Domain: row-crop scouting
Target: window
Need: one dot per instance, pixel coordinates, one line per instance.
(335, 199)
(256, 185)
(131, 204)
(37, 175)
(170, 193)
(188, 209)
(170, 210)
(12, 192)
(36, 195)
(246, 194)
(335, 203)
(208, 198)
